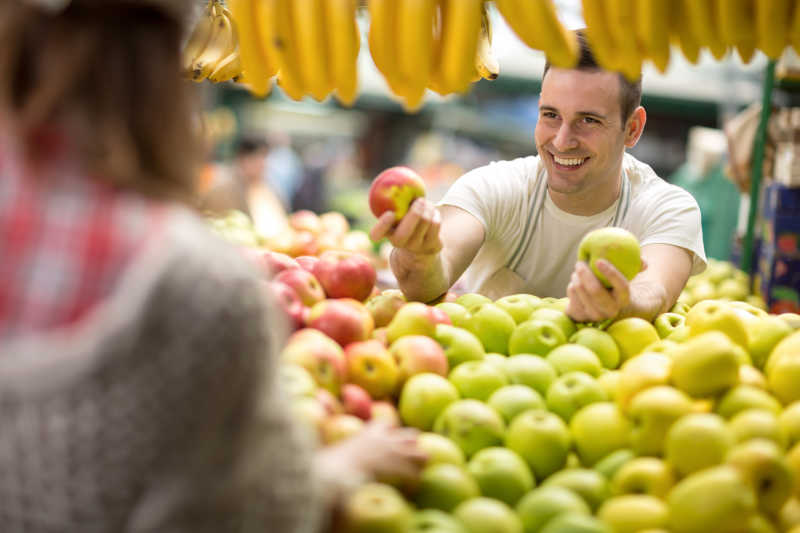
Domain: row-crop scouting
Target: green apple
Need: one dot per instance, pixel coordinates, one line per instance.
(632, 335)
(519, 306)
(644, 475)
(435, 521)
(716, 499)
(486, 515)
(652, 412)
(697, 441)
(611, 463)
(614, 245)
(571, 391)
(609, 380)
(443, 486)
(757, 424)
(557, 317)
(530, 370)
(470, 299)
(542, 439)
(535, 337)
(793, 459)
(741, 397)
(680, 334)
(497, 360)
(663, 346)
(631, 513)
(789, 517)
(575, 523)
(477, 379)
(758, 523)
(601, 343)
(587, 483)
(682, 308)
(492, 325)
(512, 400)
(542, 504)
(793, 319)
(471, 424)
(716, 315)
(705, 365)
(413, 318)
(574, 357)
(789, 420)
(783, 369)
(647, 369)
(666, 323)
(597, 430)
(458, 314)
(763, 336)
(423, 398)
(383, 306)
(440, 449)
(459, 344)
(377, 508)
(763, 466)
(752, 377)
(501, 474)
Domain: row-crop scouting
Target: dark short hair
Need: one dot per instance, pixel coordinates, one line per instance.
(630, 93)
(248, 145)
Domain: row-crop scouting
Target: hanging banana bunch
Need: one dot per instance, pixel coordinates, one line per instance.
(212, 51)
(536, 23)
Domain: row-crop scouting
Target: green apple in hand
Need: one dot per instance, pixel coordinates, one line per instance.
(535, 337)
(542, 504)
(501, 474)
(644, 475)
(459, 344)
(587, 483)
(512, 400)
(471, 424)
(716, 499)
(477, 379)
(601, 343)
(571, 391)
(542, 439)
(762, 465)
(530, 370)
(631, 513)
(492, 326)
(697, 441)
(597, 430)
(423, 397)
(519, 306)
(377, 508)
(615, 245)
(652, 412)
(486, 515)
(443, 486)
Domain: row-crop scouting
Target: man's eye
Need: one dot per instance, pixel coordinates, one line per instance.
(590, 120)
(549, 114)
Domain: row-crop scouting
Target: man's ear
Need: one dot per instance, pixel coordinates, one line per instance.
(635, 126)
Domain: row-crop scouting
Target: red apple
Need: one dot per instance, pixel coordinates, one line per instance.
(304, 284)
(356, 401)
(290, 302)
(329, 402)
(384, 305)
(334, 222)
(393, 190)
(344, 320)
(305, 220)
(345, 275)
(303, 243)
(416, 354)
(269, 263)
(320, 355)
(307, 262)
(370, 365)
(379, 334)
(385, 412)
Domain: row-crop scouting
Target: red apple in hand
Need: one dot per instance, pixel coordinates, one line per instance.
(356, 401)
(344, 320)
(320, 355)
(304, 284)
(393, 190)
(290, 302)
(345, 275)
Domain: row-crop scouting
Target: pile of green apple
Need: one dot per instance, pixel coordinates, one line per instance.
(721, 280)
(535, 423)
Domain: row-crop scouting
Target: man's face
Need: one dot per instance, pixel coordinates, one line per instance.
(579, 135)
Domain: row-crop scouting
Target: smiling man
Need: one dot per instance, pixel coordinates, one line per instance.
(515, 226)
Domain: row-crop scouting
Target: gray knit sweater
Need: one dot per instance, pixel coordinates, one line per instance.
(160, 411)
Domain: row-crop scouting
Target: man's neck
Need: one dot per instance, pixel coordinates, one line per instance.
(589, 202)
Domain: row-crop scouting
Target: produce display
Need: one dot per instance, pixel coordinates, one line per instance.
(535, 423)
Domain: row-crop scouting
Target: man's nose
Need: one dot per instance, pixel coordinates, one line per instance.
(565, 138)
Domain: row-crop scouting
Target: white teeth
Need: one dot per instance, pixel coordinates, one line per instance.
(568, 162)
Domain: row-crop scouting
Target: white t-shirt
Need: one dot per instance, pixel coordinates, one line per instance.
(534, 250)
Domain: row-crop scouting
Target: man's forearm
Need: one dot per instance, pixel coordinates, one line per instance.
(420, 277)
(647, 300)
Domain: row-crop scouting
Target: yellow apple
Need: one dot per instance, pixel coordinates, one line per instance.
(697, 441)
(641, 372)
(632, 513)
(652, 412)
(632, 335)
(615, 245)
(597, 430)
(600, 342)
(644, 475)
(757, 424)
(705, 365)
(716, 315)
(763, 467)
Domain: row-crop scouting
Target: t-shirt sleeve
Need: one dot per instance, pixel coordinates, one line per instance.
(491, 193)
(674, 218)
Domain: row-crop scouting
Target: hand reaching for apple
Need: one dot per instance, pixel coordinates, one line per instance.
(417, 232)
(589, 300)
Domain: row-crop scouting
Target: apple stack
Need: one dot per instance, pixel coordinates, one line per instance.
(721, 280)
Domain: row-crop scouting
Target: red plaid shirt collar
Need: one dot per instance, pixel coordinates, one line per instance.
(64, 241)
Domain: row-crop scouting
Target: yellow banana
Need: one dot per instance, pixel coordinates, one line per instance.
(221, 43)
(251, 57)
(460, 31)
(289, 76)
(434, 82)
(653, 32)
(265, 18)
(736, 26)
(229, 68)
(701, 17)
(681, 35)
(198, 40)
(598, 34)
(343, 45)
(773, 18)
(621, 18)
(415, 19)
(309, 31)
(486, 63)
(382, 41)
(536, 23)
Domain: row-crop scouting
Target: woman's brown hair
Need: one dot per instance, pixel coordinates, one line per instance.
(107, 74)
